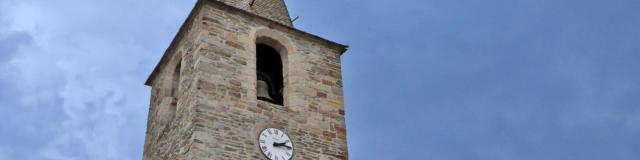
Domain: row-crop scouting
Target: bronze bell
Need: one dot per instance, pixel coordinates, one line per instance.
(263, 91)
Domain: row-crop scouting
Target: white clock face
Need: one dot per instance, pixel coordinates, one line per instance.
(275, 144)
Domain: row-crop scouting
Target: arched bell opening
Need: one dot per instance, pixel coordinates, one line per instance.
(175, 81)
(269, 74)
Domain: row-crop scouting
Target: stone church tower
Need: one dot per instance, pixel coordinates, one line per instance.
(238, 82)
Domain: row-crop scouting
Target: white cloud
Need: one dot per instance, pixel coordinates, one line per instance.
(92, 57)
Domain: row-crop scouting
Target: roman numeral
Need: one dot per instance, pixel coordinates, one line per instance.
(262, 141)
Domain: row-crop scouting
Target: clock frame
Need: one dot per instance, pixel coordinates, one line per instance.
(275, 144)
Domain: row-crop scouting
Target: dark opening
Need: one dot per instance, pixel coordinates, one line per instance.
(175, 81)
(269, 69)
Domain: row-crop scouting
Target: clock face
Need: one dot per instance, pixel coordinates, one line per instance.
(275, 144)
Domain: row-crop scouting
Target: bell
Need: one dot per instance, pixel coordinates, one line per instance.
(263, 91)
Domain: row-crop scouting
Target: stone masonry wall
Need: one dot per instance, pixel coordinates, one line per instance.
(217, 115)
(272, 9)
(170, 123)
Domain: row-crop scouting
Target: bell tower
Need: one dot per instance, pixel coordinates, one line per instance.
(239, 82)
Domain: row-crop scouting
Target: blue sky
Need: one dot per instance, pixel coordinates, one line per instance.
(424, 79)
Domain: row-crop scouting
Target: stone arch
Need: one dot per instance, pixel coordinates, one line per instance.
(276, 40)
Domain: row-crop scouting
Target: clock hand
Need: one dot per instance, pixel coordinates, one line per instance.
(282, 145)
